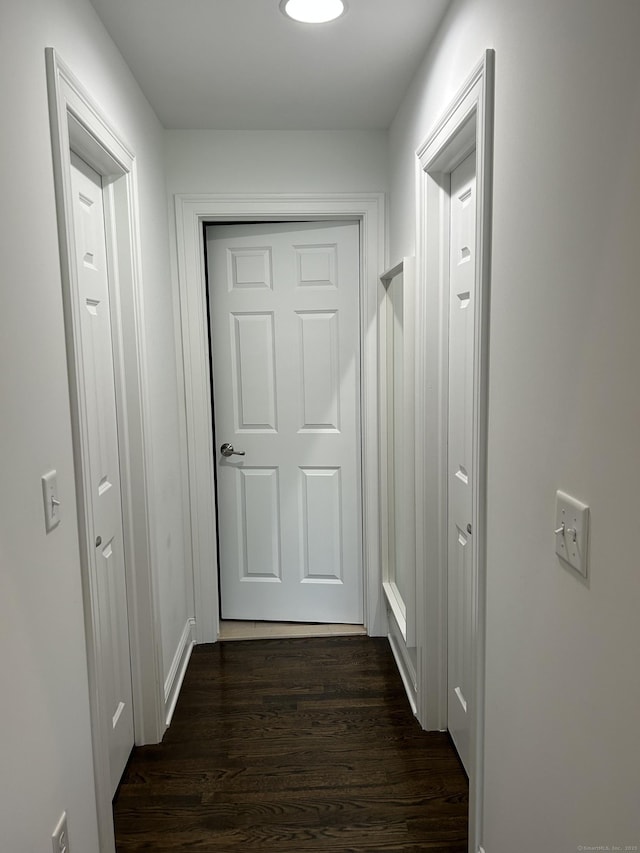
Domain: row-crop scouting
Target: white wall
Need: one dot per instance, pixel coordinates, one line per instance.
(200, 161)
(46, 763)
(563, 690)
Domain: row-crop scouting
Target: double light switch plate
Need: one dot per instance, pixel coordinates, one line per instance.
(572, 532)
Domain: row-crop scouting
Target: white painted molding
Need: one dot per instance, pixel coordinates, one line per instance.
(396, 605)
(466, 125)
(78, 124)
(178, 669)
(192, 211)
(464, 104)
(405, 668)
(403, 611)
(392, 272)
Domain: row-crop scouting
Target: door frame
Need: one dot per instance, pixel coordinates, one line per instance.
(192, 212)
(465, 126)
(78, 125)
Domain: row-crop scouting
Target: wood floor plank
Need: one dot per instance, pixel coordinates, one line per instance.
(291, 746)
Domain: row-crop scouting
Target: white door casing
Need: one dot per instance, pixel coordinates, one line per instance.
(465, 126)
(104, 463)
(79, 124)
(192, 211)
(462, 259)
(284, 332)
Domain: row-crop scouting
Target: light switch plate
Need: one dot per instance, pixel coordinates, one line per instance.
(572, 542)
(51, 502)
(60, 837)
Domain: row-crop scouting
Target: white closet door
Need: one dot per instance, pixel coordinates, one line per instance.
(98, 394)
(461, 361)
(286, 376)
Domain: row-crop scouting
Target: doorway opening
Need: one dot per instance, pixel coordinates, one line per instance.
(192, 213)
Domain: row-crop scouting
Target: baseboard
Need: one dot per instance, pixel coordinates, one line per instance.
(406, 670)
(178, 669)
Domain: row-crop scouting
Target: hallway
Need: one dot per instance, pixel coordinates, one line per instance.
(222, 111)
(294, 745)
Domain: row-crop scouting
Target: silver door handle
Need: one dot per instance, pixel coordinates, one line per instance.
(227, 450)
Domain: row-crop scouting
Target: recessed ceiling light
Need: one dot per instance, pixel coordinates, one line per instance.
(313, 11)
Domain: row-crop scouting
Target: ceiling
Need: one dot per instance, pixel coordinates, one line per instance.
(241, 65)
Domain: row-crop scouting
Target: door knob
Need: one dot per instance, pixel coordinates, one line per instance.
(227, 450)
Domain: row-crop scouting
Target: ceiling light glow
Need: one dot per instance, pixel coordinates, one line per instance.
(313, 11)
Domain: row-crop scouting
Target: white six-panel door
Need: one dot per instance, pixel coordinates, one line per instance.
(285, 353)
(98, 393)
(461, 363)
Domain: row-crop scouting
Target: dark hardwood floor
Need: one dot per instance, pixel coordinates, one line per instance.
(294, 745)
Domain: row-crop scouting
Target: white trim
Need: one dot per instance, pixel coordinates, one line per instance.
(178, 669)
(192, 211)
(404, 664)
(393, 271)
(78, 124)
(467, 125)
(395, 603)
(403, 611)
